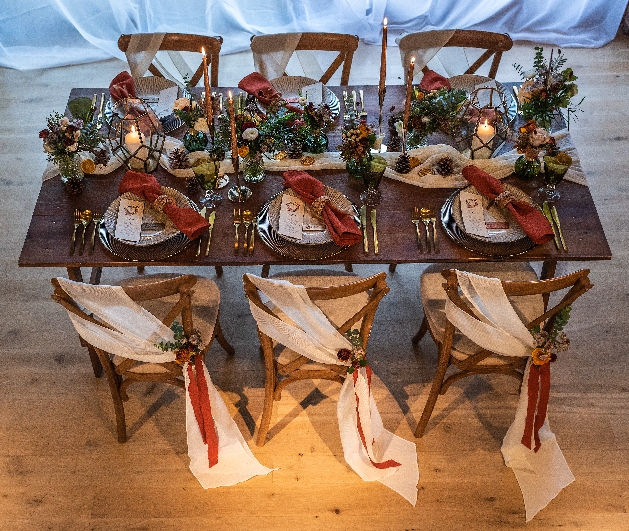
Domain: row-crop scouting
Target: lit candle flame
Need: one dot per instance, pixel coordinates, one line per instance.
(229, 92)
(384, 22)
(412, 60)
(202, 51)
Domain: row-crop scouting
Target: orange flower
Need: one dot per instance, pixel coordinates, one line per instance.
(183, 355)
(540, 356)
(243, 151)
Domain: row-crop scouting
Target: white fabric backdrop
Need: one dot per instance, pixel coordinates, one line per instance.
(47, 33)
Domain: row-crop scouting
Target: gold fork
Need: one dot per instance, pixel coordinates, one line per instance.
(415, 219)
(253, 232)
(435, 241)
(77, 222)
(237, 222)
(86, 218)
(424, 214)
(247, 218)
(96, 219)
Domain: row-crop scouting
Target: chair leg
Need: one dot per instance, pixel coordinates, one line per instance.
(432, 397)
(421, 332)
(270, 382)
(114, 386)
(349, 268)
(97, 367)
(218, 332)
(140, 270)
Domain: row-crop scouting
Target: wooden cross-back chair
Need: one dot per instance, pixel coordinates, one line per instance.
(348, 301)
(494, 45)
(193, 299)
(342, 43)
(525, 292)
(183, 42)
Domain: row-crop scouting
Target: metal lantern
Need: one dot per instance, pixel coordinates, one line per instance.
(135, 135)
(486, 123)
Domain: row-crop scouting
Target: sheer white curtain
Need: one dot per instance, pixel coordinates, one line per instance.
(46, 33)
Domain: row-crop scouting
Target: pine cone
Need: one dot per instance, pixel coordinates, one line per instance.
(192, 185)
(74, 186)
(101, 156)
(295, 151)
(445, 166)
(178, 159)
(403, 164)
(395, 143)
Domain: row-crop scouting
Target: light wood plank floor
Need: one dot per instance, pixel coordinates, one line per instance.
(62, 469)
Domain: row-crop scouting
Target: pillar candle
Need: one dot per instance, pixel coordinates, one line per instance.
(208, 93)
(232, 122)
(409, 92)
(383, 58)
(484, 135)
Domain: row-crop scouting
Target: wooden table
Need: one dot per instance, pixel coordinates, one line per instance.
(48, 238)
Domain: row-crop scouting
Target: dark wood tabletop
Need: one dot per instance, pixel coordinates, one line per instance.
(48, 238)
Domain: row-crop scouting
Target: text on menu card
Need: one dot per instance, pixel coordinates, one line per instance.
(129, 222)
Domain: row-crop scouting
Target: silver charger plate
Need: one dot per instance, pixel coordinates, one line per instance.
(268, 219)
(290, 86)
(499, 245)
(156, 226)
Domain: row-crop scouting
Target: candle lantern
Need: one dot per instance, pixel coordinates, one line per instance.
(135, 135)
(486, 122)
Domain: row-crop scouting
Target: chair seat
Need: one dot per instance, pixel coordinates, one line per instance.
(337, 310)
(434, 297)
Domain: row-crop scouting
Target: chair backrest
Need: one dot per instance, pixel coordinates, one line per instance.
(375, 287)
(142, 292)
(182, 42)
(574, 284)
(263, 46)
(493, 44)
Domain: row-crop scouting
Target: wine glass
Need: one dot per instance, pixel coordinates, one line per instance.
(555, 167)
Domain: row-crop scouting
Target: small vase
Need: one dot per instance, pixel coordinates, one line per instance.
(358, 167)
(527, 169)
(71, 173)
(194, 140)
(316, 144)
(253, 168)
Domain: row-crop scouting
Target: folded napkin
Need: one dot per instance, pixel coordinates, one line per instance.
(530, 218)
(191, 223)
(259, 87)
(340, 224)
(433, 81)
(122, 87)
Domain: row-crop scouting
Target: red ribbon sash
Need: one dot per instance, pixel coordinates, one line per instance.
(538, 395)
(386, 464)
(198, 391)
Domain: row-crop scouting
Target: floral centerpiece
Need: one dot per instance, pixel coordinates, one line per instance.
(63, 140)
(430, 112)
(548, 88)
(184, 347)
(531, 140)
(192, 114)
(358, 139)
(319, 120)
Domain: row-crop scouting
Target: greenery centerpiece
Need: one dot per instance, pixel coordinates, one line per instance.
(358, 139)
(192, 114)
(547, 88)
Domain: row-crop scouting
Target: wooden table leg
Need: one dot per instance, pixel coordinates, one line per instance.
(74, 273)
(95, 276)
(548, 271)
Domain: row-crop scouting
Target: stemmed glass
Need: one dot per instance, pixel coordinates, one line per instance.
(554, 171)
(209, 182)
(371, 196)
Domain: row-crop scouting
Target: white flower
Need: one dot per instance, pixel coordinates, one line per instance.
(73, 147)
(399, 127)
(181, 103)
(539, 137)
(302, 101)
(201, 125)
(77, 134)
(64, 122)
(48, 148)
(250, 133)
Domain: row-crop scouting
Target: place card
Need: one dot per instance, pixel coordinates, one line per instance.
(314, 93)
(495, 221)
(129, 222)
(291, 217)
(165, 101)
(312, 223)
(472, 213)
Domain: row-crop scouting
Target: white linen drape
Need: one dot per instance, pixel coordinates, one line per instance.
(47, 33)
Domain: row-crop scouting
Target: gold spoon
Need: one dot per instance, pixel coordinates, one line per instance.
(424, 214)
(86, 219)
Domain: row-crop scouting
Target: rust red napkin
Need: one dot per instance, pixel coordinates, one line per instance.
(530, 218)
(258, 86)
(341, 225)
(187, 220)
(433, 81)
(122, 86)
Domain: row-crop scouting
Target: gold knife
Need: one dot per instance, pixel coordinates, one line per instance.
(363, 226)
(210, 220)
(549, 217)
(553, 211)
(375, 231)
(202, 213)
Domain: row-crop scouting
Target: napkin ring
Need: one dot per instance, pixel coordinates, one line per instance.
(318, 205)
(162, 201)
(504, 198)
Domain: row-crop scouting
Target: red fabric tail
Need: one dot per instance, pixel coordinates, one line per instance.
(538, 395)
(542, 404)
(198, 391)
(533, 391)
(386, 464)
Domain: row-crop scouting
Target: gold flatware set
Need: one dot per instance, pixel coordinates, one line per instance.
(247, 218)
(550, 211)
(364, 229)
(84, 218)
(426, 217)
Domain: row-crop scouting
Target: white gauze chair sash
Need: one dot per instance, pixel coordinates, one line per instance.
(142, 51)
(272, 58)
(543, 474)
(139, 329)
(424, 47)
(317, 339)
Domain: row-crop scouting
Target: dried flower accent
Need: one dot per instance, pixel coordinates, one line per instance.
(184, 348)
(532, 140)
(356, 356)
(548, 344)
